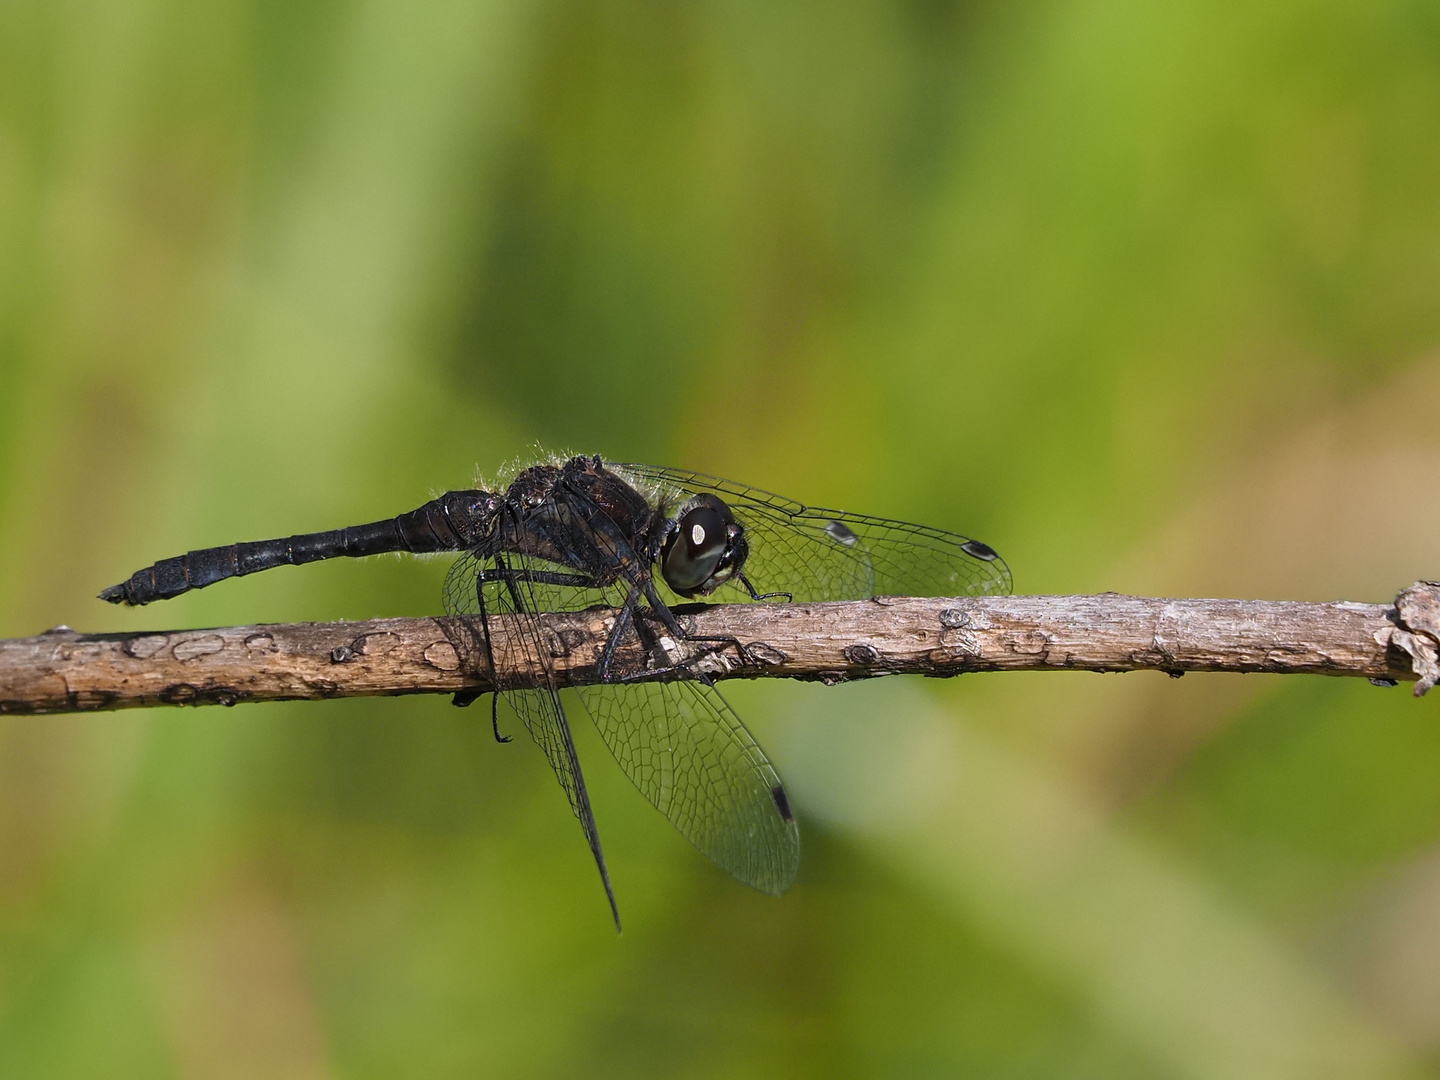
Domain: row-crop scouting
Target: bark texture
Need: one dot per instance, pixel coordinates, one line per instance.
(66, 671)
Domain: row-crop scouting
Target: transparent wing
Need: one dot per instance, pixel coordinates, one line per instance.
(479, 588)
(679, 742)
(690, 755)
(817, 554)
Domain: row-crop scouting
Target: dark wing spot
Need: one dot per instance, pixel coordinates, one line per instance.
(782, 802)
(979, 550)
(840, 533)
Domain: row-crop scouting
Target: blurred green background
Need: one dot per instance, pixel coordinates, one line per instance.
(1145, 295)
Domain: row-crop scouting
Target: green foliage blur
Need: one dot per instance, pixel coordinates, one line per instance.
(1145, 295)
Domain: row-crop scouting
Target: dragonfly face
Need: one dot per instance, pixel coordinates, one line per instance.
(703, 549)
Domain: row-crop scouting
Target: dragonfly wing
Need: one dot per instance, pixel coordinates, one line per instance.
(479, 588)
(690, 755)
(814, 554)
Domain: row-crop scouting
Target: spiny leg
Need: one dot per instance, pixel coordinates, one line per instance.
(467, 697)
(511, 578)
(759, 595)
(666, 616)
(622, 623)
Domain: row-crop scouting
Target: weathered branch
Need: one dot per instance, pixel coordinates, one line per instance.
(65, 671)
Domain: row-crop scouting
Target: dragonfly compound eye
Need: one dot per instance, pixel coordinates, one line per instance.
(696, 550)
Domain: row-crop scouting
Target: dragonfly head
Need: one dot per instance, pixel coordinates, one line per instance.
(703, 548)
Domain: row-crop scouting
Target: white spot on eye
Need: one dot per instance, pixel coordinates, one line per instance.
(697, 534)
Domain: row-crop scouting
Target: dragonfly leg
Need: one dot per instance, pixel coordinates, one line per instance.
(759, 595)
(666, 616)
(539, 577)
(464, 698)
(495, 719)
(622, 623)
(468, 696)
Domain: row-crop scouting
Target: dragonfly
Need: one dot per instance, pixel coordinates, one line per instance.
(569, 534)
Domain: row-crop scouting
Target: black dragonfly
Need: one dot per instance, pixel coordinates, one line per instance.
(567, 535)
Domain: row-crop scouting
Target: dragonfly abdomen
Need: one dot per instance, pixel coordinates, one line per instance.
(453, 522)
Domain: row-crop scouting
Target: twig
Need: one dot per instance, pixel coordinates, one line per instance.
(65, 671)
